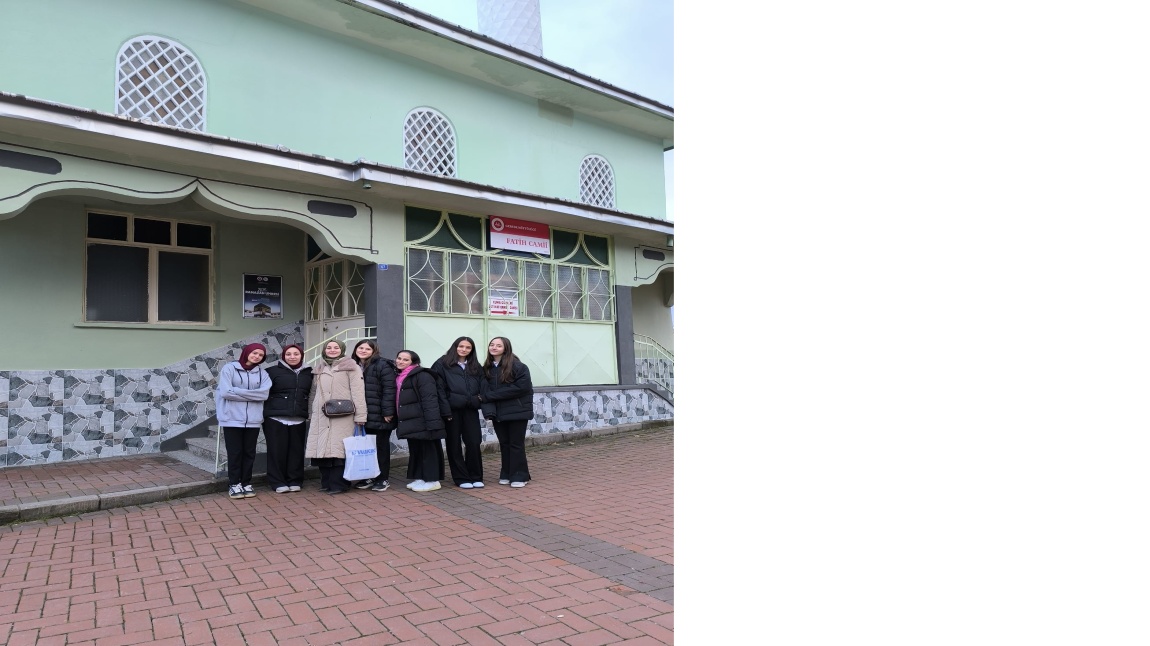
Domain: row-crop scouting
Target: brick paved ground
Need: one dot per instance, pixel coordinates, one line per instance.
(63, 480)
(581, 556)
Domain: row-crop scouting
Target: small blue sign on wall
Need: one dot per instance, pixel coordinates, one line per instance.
(383, 267)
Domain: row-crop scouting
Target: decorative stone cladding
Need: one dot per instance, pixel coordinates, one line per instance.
(60, 415)
(656, 370)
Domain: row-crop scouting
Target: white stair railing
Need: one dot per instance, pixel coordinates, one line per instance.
(654, 364)
(356, 334)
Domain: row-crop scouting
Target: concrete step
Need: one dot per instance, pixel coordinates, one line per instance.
(207, 465)
(202, 453)
(205, 447)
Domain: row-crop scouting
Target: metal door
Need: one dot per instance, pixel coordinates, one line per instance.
(334, 293)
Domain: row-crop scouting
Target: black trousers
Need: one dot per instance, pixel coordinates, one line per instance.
(331, 474)
(463, 438)
(512, 450)
(240, 443)
(383, 454)
(425, 460)
(286, 443)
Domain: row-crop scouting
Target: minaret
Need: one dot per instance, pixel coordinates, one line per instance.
(515, 22)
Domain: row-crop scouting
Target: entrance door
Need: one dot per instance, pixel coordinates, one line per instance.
(334, 291)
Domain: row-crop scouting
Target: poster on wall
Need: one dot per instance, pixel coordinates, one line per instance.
(263, 297)
(519, 235)
(503, 302)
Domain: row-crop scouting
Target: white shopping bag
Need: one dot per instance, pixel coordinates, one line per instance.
(360, 462)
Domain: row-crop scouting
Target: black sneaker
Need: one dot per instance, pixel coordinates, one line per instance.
(363, 484)
(381, 485)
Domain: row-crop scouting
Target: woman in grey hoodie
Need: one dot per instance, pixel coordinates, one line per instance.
(240, 394)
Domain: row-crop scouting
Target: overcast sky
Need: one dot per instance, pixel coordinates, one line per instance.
(627, 43)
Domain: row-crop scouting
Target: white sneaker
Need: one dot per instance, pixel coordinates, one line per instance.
(236, 491)
(294, 488)
(414, 483)
(283, 489)
(465, 485)
(504, 482)
(427, 486)
(249, 491)
(477, 485)
(518, 484)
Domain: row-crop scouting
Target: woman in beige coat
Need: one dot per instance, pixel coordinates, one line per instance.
(334, 377)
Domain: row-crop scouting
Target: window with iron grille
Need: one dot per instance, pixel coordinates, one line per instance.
(426, 280)
(161, 81)
(450, 271)
(429, 143)
(596, 182)
(147, 270)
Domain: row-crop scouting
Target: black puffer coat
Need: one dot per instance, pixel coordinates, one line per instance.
(512, 400)
(462, 388)
(422, 407)
(289, 393)
(379, 388)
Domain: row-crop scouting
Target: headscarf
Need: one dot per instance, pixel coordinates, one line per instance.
(284, 352)
(247, 351)
(331, 360)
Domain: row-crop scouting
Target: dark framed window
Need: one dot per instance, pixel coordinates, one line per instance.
(147, 270)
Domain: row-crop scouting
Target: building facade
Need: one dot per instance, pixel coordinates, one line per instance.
(179, 179)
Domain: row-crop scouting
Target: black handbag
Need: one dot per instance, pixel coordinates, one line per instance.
(338, 407)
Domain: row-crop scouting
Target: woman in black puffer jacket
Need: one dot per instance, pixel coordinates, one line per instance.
(421, 409)
(285, 420)
(507, 401)
(461, 377)
(379, 388)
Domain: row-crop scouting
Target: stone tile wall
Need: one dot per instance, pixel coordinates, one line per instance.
(59, 415)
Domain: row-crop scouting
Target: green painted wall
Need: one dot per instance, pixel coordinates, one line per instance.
(279, 82)
(42, 282)
(651, 315)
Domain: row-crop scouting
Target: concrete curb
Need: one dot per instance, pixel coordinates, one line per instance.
(42, 509)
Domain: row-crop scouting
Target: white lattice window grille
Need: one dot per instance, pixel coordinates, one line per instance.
(159, 80)
(596, 182)
(429, 143)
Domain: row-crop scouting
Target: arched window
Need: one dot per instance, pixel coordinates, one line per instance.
(429, 143)
(160, 80)
(596, 182)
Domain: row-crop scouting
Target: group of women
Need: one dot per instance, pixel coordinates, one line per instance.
(428, 407)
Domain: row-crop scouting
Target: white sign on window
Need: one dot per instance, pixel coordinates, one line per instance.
(503, 302)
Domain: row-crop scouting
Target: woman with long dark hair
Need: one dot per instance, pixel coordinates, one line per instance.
(421, 410)
(379, 389)
(507, 402)
(461, 376)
